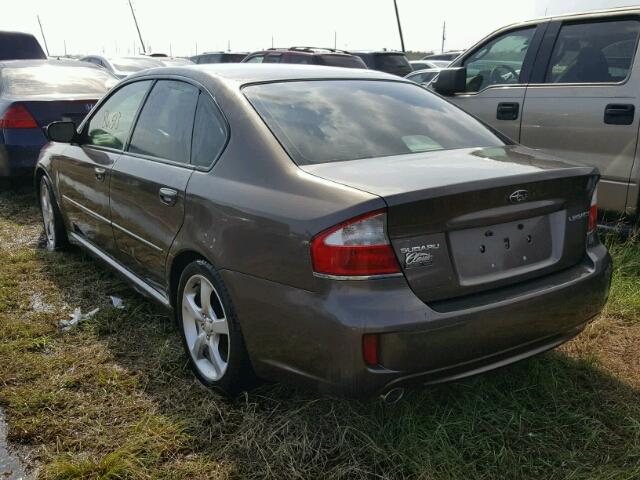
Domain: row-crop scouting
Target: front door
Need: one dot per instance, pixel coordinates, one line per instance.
(149, 181)
(497, 73)
(84, 170)
(582, 104)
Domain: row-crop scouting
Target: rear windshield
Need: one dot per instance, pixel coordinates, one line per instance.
(336, 120)
(20, 46)
(51, 80)
(346, 61)
(392, 61)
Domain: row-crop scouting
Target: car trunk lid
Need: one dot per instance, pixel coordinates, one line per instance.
(470, 220)
(46, 111)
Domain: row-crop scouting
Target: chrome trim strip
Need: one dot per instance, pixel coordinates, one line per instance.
(87, 210)
(357, 277)
(136, 237)
(133, 278)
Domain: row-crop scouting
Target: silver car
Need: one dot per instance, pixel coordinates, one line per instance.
(568, 85)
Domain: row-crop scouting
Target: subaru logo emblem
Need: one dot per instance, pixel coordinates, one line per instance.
(519, 196)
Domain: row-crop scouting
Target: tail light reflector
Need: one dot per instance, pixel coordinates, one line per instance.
(593, 213)
(17, 116)
(357, 247)
(370, 349)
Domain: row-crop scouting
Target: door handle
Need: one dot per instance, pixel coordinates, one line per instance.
(508, 111)
(168, 196)
(100, 173)
(619, 113)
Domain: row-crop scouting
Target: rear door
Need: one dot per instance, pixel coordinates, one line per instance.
(84, 170)
(497, 74)
(149, 180)
(582, 102)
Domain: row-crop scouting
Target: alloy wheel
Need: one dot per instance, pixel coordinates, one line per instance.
(206, 328)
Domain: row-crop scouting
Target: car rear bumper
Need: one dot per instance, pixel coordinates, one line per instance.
(18, 160)
(315, 338)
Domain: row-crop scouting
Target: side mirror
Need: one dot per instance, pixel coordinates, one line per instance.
(63, 132)
(451, 80)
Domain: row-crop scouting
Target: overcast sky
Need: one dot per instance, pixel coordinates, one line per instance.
(90, 26)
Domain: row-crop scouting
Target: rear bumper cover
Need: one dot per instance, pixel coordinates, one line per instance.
(315, 338)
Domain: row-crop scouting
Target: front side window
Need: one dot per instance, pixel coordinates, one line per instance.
(336, 120)
(209, 133)
(273, 58)
(166, 122)
(110, 125)
(256, 59)
(499, 61)
(595, 52)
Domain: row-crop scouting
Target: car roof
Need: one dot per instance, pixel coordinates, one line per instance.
(244, 73)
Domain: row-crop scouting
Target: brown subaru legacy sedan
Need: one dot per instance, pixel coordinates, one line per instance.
(343, 229)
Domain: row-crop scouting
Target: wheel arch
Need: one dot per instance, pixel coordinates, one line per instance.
(178, 264)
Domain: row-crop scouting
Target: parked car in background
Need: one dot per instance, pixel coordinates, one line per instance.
(34, 93)
(20, 46)
(446, 56)
(372, 235)
(423, 77)
(306, 56)
(219, 57)
(123, 66)
(569, 85)
(395, 63)
(424, 64)
(174, 61)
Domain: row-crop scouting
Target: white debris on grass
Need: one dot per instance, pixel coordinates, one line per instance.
(77, 317)
(39, 305)
(117, 302)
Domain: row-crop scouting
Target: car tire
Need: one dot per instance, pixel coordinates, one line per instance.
(210, 331)
(54, 229)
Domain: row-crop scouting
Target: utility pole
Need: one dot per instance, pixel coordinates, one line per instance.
(135, 20)
(228, 45)
(395, 4)
(46, 47)
(271, 41)
(335, 40)
(65, 48)
(444, 36)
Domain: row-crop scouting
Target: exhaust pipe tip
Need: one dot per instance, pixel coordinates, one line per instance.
(392, 396)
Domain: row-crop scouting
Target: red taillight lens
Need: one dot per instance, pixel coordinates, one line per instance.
(593, 213)
(358, 247)
(17, 116)
(370, 349)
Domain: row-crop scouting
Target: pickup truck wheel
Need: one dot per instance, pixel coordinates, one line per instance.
(54, 230)
(210, 331)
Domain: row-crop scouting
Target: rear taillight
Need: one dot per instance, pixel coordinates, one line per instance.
(17, 116)
(593, 213)
(357, 247)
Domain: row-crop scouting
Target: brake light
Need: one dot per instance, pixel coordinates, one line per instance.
(17, 116)
(357, 247)
(593, 213)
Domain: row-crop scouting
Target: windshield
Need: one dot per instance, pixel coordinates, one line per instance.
(336, 120)
(52, 80)
(130, 65)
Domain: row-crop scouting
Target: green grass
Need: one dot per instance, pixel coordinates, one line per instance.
(114, 399)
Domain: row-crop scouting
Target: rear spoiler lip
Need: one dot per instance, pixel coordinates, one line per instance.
(394, 199)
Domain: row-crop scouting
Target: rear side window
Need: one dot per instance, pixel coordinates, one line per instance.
(273, 58)
(209, 133)
(595, 52)
(300, 59)
(165, 124)
(335, 120)
(20, 46)
(110, 125)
